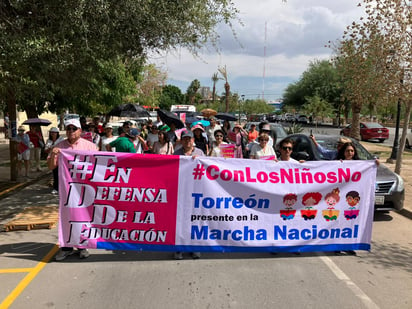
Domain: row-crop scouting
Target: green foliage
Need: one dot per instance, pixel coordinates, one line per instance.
(53, 50)
(320, 79)
(318, 108)
(171, 95)
(256, 107)
(294, 128)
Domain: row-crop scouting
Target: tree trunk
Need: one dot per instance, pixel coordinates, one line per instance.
(11, 107)
(355, 129)
(227, 90)
(398, 165)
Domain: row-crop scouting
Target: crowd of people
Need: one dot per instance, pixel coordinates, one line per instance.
(196, 139)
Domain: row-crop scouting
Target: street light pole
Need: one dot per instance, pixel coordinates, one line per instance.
(395, 146)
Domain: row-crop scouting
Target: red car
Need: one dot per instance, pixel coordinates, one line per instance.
(369, 130)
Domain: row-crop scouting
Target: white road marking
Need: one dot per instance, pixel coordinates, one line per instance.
(351, 285)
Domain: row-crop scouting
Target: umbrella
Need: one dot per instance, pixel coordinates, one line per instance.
(203, 122)
(129, 110)
(208, 112)
(37, 121)
(226, 116)
(169, 118)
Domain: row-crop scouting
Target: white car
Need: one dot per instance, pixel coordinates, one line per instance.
(408, 143)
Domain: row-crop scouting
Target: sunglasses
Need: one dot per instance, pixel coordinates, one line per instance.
(218, 135)
(71, 129)
(287, 148)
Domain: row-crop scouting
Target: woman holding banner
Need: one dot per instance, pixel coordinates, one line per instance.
(263, 151)
(216, 151)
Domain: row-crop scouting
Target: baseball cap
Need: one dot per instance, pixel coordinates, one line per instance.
(21, 128)
(186, 133)
(133, 133)
(73, 122)
(266, 127)
(198, 126)
(54, 129)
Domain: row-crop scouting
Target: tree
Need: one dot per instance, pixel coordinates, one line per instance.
(318, 107)
(171, 95)
(321, 80)
(50, 48)
(192, 91)
(223, 71)
(215, 79)
(376, 54)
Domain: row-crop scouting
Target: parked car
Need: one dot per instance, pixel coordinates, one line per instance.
(408, 143)
(369, 130)
(289, 117)
(389, 189)
(302, 119)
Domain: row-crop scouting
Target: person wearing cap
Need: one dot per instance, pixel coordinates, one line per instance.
(107, 138)
(124, 143)
(23, 151)
(73, 141)
(201, 141)
(188, 149)
(54, 139)
(330, 154)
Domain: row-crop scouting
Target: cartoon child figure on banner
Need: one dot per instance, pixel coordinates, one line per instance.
(331, 199)
(352, 198)
(289, 200)
(309, 200)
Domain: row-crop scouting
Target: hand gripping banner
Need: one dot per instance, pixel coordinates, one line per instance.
(122, 201)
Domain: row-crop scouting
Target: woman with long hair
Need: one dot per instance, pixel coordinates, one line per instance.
(163, 145)
(347, 152)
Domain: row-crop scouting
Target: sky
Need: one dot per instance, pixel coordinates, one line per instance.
(274, 46)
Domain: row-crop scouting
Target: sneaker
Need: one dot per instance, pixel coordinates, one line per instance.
(195, 255)
(61, 255)
(178, 256)
(84, 253)
(54, 192)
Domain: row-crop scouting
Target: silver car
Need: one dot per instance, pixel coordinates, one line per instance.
(389, 188)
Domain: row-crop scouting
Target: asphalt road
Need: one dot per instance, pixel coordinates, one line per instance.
(29, 278)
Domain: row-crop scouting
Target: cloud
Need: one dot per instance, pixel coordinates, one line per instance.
(277, 41)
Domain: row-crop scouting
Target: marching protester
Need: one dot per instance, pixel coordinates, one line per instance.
(263, 151)
(347, 152)
(74, 142)
(215, 148)
(23, 151)
(107, 138)
(163, 144)
(286, 148)
(188, 149)
(201, 141)
(124, 143)
(152, 137)
(210, 130)
(53, 140)
(37, 144)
